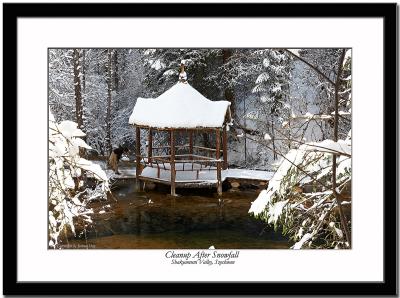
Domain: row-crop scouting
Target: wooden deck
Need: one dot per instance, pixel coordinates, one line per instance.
(182, 183)
(202, 179)
(193, 179)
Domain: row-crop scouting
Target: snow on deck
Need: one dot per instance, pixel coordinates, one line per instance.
(208, 176)
(181, 106)
(205, 175)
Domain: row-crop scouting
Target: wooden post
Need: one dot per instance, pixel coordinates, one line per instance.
(137, 157)
(169, 148)
(191, 143)
(172, 162)
(150, 146)
(225, 148)
(217, 155)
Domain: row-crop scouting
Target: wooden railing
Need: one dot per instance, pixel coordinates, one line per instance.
(186, 146)
(164, 162)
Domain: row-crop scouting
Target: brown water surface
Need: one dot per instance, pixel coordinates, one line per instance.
(197, 219)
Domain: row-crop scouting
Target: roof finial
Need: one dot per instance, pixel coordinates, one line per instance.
(182, 73)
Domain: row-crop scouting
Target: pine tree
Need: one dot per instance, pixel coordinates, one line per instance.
(271, 88)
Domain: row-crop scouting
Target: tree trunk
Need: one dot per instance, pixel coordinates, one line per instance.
(228, 92)
(109, 90)
(78, 88)
(217, 156)
(150, 146)
(273, 138)
(244, 131)
(115, 72)
(138, 157)
(83, 71)
(343, 218)
(172, 162)
(78, 80)
(225, 148)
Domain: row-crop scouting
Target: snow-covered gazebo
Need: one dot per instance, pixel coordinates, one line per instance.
(181, 112)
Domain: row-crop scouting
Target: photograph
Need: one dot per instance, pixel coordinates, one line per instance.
(199, 148)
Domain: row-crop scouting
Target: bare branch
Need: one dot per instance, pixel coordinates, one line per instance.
(312, 66)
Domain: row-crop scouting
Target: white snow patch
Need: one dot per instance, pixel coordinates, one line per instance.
(181, 106)
(295, 51)
(70, 129)
(347, 56)
(276, 211)
(300, 243)
(266, 62)
(157, 64)
(339, 147)
(169, 72)
(267, 137)
(259, 204)
(247, 174)
(206, 175)
(183, 76)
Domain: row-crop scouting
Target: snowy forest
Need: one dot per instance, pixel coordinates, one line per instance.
(291, 116)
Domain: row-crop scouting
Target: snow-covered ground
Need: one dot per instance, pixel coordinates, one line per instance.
(126, 171)
(247, 174)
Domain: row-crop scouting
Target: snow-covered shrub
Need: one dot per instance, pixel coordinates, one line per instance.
(299, 197)
(68, 192)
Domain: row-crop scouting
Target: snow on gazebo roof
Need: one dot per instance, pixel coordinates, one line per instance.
(181, 106)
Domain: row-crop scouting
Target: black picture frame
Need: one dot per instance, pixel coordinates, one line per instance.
(11, 12)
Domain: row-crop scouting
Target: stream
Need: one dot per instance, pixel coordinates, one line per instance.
(196, 219)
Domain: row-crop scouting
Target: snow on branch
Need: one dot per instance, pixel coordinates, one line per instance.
(309, 116)
(294, 51)
(68, 194)
(341, 147)
(299, 197)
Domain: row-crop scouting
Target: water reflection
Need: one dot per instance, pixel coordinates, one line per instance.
(195, 219)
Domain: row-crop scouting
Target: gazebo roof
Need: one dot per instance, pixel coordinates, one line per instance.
(181, 106)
